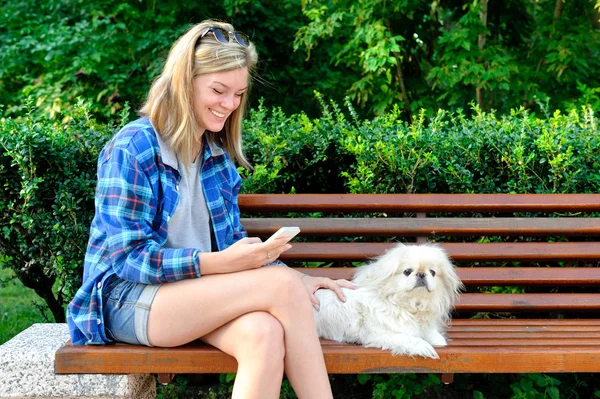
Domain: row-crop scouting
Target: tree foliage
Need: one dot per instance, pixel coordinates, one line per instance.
(445, 54)
(415, 54)
(109, 51)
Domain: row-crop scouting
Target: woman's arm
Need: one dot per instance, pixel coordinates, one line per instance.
(126, 208)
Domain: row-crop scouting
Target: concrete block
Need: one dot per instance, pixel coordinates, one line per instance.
(27, 371)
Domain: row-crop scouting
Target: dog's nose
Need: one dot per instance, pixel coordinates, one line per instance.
(421, 275)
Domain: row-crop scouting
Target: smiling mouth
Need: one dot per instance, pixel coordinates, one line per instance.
(220, 115)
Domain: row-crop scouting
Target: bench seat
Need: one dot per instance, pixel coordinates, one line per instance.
(475, 346)
(530, 264)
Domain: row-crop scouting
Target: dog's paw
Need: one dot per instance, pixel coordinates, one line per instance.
(425, 349)
(417, 347)
(436, 339)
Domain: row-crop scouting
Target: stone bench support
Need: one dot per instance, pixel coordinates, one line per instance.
(27, 371)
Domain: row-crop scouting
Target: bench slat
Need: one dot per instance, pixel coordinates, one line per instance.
(539, 352)
(411, 227)
(351, 359)
(536, 324)
(468, 359)
(500, 341)
(419, 202)
(527, 302)
(510, 340)
(460, 252)
(489, 334)
(563, 276)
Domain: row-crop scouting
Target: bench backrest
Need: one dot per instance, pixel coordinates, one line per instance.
(543, 247)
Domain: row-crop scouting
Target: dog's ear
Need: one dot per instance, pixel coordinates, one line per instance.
(383, 268)
(451, 281)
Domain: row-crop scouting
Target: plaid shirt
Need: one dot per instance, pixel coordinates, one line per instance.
(136, 195)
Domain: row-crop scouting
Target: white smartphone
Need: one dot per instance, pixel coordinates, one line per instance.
(288, 232)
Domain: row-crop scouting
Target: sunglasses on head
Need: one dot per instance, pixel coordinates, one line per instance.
(224, 37)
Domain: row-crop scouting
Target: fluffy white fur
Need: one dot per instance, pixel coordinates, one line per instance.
(402, 304)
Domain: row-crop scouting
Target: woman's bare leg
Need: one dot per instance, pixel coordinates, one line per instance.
(189, 309)
(256, 341)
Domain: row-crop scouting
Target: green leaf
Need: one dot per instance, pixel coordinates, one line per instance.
(553, 392)
(363, 378)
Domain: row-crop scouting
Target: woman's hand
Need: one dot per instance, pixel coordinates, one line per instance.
(312, 284)
(245, 254)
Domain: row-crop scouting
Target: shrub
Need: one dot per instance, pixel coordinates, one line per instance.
(516, 153)
(446, 153)
(294, 153)
(46, 200)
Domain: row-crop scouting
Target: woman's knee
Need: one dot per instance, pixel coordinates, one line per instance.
(289, 288)
(261, 337)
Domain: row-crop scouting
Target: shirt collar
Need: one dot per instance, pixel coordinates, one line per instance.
(169, 157)
(167, 154)
(211, 150)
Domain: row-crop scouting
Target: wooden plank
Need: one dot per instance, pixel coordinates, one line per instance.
(524, 341)
(133, 359)
(475, 276)
(128, 358)
(466, 359)
(527, 302)
(460, 252)
(430, 227)
(526, 323)
(525, 333)
(554, 276)
(420, 202)
(526, 327)
(340, 359)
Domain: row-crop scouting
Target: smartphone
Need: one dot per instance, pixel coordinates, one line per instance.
(288, 232)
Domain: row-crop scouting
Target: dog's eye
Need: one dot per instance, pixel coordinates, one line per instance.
(432, 273)
(407, 272)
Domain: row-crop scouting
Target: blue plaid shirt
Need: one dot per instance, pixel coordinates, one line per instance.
(136, 195)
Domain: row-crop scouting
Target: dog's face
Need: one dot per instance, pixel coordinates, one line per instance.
(420, 269)
(419, 274)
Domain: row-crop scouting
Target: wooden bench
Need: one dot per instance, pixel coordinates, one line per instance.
(545, 248)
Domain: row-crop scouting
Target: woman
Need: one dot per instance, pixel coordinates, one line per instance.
(168, 261)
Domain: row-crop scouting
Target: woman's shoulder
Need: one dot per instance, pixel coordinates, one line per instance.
(137, 138)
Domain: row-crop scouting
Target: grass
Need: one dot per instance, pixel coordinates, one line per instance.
(20, 307)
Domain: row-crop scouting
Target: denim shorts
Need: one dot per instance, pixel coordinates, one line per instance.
(126, 309)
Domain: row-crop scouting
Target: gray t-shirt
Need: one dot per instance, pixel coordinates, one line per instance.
(189, 226)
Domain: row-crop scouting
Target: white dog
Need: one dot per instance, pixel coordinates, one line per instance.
(402, 304)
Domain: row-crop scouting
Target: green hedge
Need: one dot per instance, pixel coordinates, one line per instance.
(445, 153)
(48, 180)
(48, 169)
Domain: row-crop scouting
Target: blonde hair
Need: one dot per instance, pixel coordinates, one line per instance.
(169, 105)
